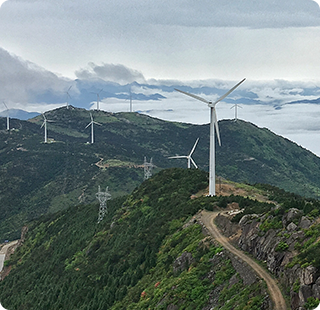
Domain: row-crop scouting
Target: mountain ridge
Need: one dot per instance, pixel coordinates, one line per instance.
(38, 178)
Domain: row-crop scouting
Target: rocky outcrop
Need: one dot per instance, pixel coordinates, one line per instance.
(275, 247)
(183, 262)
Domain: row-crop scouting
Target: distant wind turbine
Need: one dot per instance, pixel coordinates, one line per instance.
(213, 123)
(68, 96)
(8, 121)
(45, 120)
(190, 159)
(91, 124)
(236, 106)
(98, 98)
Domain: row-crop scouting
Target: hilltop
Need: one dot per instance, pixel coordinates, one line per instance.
(152, 251)
(38, 178)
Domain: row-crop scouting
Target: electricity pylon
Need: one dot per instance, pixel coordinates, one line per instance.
(103, 197)
(147, 168)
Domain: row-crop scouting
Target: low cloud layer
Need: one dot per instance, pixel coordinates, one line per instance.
(110, 72)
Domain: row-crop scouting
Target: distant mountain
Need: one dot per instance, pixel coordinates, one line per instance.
(19, 114)
(37, 178)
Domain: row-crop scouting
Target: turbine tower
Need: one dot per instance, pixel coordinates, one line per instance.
(103, 197)
(213, 123)
(91, 124)
(148, 168)
(8, 121)
(236, 106)
(190, 159)
(98, 99)
(68, 96)
(45, 120)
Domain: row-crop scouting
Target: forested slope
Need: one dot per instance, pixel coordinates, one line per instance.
(68, 261)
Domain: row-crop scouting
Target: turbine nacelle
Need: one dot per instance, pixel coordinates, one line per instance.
(213, 127)
(190, 159)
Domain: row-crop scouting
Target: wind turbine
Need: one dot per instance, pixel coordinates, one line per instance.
(213, 123)
(91, 124)
(68, 96)
(8, 121)
(236, 106)
(190, 159)
(98, 99)
(45, 120)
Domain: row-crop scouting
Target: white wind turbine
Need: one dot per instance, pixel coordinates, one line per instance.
(213, 123)
(91, 124)
(45, 120)
(236, 106)
(8, 121)
(190, 159)
(68, 96)
(98, 99)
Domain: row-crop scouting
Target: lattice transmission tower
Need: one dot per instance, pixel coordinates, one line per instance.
(148, 168)
(103, 197)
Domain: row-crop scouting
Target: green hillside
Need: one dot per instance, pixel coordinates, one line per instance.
(127, 261)
(37, 178)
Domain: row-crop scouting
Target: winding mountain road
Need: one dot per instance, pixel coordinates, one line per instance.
(3, 252)
(278, 301)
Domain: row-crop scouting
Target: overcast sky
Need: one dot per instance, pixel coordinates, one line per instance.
(45, 44)
(168, 39)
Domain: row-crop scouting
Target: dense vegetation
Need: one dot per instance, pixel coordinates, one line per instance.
(68, 261)
(37, 178)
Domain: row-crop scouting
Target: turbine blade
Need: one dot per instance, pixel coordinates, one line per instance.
(69, 88)
(194, 147)
(91, 117)
(228, 92)
(5, 106)
(194, 96)
(97, 123)
(43, 124)
(194, 162)
(217, 126)
(233, 106)
(178, 157)
(88, 125)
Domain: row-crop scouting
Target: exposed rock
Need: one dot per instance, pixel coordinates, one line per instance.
(245, 272)
(248, 218)
(292, 226)
(305, 292)
(183, 262)
(214, 298)
(308, 275)
(227, 227)
(291, 215)
(305, 222)
(234, 279)
(316, 290)
(295, 300)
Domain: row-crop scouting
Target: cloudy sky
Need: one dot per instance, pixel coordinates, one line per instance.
(45, 45)
(179, 39)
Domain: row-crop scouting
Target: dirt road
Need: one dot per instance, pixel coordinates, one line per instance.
(275, 293)
(3, 252)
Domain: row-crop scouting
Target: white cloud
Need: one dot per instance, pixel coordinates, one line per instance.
(110, 72)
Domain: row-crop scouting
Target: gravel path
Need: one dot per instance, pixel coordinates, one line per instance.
(3, 252)
(274, 291)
